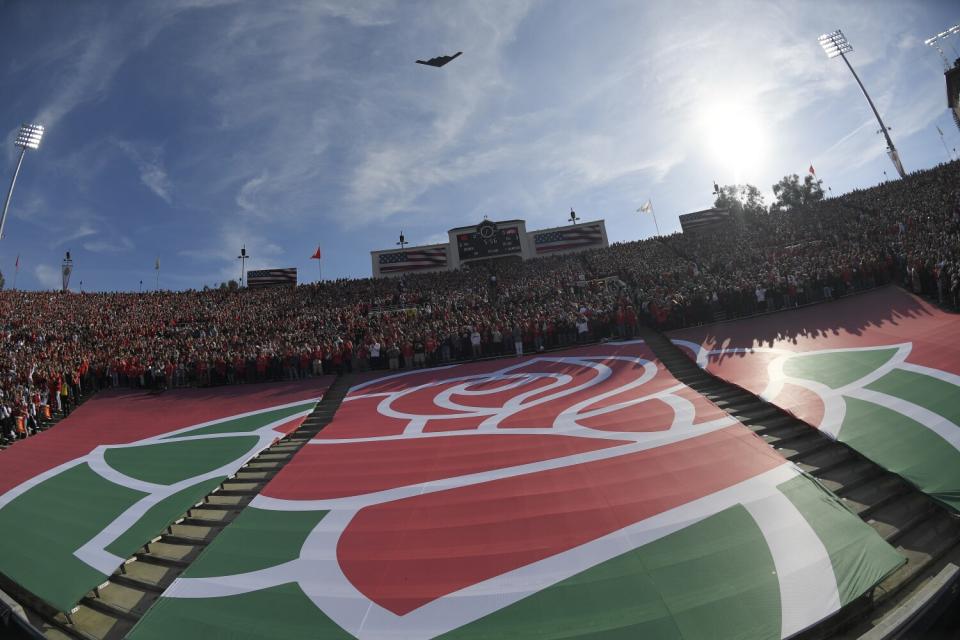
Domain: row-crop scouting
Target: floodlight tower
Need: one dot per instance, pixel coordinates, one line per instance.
(28, 138)
(951, 73)
(66, 269)
(243, 263)
(835, 44)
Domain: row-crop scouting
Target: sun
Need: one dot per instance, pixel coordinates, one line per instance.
(735, 139)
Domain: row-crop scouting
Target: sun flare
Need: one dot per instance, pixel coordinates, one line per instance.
(735, 139)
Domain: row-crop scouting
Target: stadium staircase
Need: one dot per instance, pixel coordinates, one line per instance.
(924, 532)
(110, 611)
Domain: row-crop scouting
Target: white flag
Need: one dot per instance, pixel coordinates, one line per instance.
(646, 208)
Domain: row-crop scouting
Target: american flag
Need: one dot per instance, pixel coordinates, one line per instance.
(570, 238)
(271, 277)
(700, 220)
(413, 259)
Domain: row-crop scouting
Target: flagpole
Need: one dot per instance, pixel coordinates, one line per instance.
(944, 143)
(647, 207)
(16, 272)
(316, 256)
(811, 171)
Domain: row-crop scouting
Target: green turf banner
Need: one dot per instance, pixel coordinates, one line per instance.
(880, 372)
(80, 499)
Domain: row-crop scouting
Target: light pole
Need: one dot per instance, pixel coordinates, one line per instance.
(66, 270)
(28, 138)
(573, 216)
(835, 44)
(403, 241)
(243, 263)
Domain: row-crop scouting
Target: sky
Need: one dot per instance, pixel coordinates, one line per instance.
(182, 130)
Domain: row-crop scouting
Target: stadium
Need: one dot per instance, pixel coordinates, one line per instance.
(739, 419)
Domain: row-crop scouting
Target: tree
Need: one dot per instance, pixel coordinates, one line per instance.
(791, 194)
(741, 199)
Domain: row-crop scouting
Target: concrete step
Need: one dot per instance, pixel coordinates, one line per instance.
(211, 510)
(756, 412)
(164, 561)
(835, 469)
(870, 496)
(203, 522)
(776, 423)
(182, 540)
(720, 391)
(921, 546)
(895, 519)
(91, 624)
(802, 448)
(245, 475)
(788, 432)
(263, 466)
(146, 572)
(135, 583)
(110, 610)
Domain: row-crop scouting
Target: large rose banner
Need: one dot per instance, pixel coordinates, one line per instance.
(587, 493)
(879, 371)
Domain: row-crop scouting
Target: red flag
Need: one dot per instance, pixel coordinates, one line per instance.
(316, 255)
(812, 171)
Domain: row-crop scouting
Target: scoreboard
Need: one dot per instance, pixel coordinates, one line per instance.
(504, 240)
(489, 240)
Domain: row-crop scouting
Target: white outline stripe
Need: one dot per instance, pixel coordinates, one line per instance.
(808, 585)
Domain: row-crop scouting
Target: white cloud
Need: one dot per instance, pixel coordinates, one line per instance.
(436, 238)
(149, 162)
(84, 66)
(249, 197)
(49, 277)
(262, 252)
(118, 244)
(81, 231)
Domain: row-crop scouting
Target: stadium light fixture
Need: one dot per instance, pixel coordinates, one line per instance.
(835, 44)
(935, 43)
(403, 242)
(573, 216)
(28, 137)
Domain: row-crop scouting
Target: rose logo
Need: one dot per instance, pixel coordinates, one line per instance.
(443, 496)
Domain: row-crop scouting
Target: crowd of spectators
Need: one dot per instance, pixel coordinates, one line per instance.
(56, 347)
